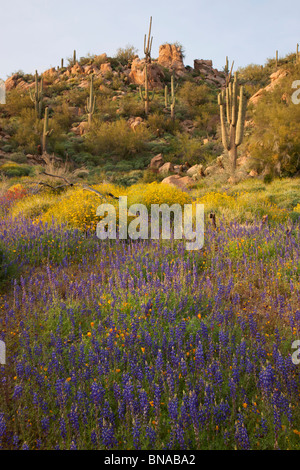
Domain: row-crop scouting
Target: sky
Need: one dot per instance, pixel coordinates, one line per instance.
(36, 34)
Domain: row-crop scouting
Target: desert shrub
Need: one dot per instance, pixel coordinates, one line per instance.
(199, 101)
(28, 130)
(59, 87)
(242, 207)
(131, 105)
(17, 101)
(128, 179)
(99, 59)
(105, 108)
(150, 176)
(18, 157)
(62, 116)
(77, 97)
(78, 207)
(116, 138)
(253, 73)
(12, 170)
(274, 142)
(33, 206)
(159, 122)
(126, 54)
(187, 148)
(156, 193)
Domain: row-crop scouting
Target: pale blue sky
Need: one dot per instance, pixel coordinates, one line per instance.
(35, 34)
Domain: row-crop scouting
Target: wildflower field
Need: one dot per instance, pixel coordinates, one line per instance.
(143, 344)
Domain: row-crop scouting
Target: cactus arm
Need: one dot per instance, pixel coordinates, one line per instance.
(234, 103)
(241, 118)
(91, 102)
(37, 96)
(46, 131)
(148, 46)
(166, 96)
(224, 131)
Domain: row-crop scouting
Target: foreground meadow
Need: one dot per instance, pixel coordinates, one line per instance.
(143, 344)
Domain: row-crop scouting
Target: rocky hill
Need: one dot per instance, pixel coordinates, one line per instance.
(97, 117)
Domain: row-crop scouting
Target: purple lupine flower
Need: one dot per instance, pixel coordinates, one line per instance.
(151, 435)
(97, 393)
(136, 431)
(2, 425)
(17, 391)
(74, 418)
(199, 357)
(63, 427)
(173, 409)
(159, 361)
(45, 423)
(241, 434)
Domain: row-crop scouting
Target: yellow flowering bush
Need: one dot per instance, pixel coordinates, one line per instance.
(297, 208)
(241, 207)
(33, 206)
(77, 209)
(156, 193)
(16, 188)
(78, 206)
(259, 205)
(214, 200)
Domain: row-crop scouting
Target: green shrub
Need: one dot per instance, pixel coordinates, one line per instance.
(116, 138)
(12, 170)
(17, 101)
(28, 131)
(274, 142)
(18, 157)
(126, 54)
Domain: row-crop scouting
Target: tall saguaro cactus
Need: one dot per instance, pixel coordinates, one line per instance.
(146, 97)
(46, 131)
(148, 46)
(91, 102)
(37, 95)
(232, 115)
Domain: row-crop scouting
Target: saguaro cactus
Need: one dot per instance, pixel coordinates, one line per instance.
(147, 97)
(297, 54)
(46, 131)
(172, 99)
(37, 95)
(232, 115)
(91, 102)
(148, 46)
(74, 57)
